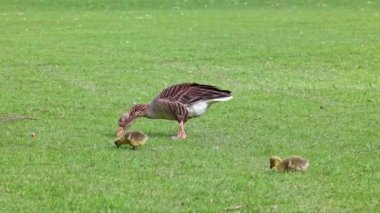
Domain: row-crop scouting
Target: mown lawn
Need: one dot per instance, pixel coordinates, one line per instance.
(305, 77)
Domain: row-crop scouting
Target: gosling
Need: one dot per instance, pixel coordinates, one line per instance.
(293, 163)
(134, 139)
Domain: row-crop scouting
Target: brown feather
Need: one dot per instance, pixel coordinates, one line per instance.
(189, 93)
(171, 103)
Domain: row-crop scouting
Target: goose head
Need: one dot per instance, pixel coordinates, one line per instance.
(125, 120)
(136, 111)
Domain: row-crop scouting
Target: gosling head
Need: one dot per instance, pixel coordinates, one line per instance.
(274, 161)
(119, 140)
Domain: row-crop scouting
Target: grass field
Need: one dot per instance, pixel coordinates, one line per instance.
(305, 77)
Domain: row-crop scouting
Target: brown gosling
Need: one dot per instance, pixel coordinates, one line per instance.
(134, 139)
(293, 163)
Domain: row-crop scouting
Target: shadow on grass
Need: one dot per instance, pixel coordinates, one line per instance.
(112, 135)
(160, 134)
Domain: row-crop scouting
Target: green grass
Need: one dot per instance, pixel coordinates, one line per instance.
(305, 80)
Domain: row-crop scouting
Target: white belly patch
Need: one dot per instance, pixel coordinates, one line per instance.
(197, 109)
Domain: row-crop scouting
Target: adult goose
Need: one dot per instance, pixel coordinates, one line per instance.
(178, 102)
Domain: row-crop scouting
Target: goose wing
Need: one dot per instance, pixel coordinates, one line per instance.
(172, 102)
(189, 93)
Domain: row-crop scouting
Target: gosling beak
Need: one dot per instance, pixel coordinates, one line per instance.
(117, 144)
(271, 164)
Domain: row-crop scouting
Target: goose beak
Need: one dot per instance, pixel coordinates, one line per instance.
(119, 132)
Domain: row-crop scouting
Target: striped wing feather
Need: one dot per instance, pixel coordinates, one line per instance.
(187, 94)
(171, 103)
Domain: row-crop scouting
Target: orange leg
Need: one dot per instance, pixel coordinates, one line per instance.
(181, 133)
